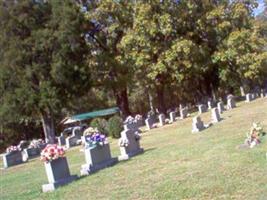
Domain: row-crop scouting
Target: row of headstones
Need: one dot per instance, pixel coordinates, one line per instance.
(21, 156)
(252, 96)
(73, 140)
(198, 125)
(162, 119)
(96, 159)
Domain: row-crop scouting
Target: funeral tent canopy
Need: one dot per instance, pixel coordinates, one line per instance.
(90, 115)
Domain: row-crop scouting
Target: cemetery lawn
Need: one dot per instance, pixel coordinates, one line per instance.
(176, 164)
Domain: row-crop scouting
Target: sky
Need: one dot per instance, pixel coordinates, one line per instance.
(260, 7)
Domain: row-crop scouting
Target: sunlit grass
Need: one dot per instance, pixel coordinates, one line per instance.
(176, 164)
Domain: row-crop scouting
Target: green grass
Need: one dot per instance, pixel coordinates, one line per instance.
(176, 164)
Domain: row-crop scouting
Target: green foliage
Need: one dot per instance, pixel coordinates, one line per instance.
(101, 124)
(42, 60)
(115, 126)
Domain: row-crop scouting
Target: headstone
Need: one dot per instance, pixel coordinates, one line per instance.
(220, 107)
(12, 158)
(161, 120)
(23, 144)
(58, 174)
(149, 123)
(202, 108)
(249, 97)
(61, 140)
(262, 95)
(215, 116)
(230, 103)
(77, 132)
(32, 152)
(172, 117)
(242, 91)
(197, 125)
(183, 113)
(253, 96)
(139, 120)
(132, 126)
(210, 105)
(71, 141)
(129, 144)
(97, 158)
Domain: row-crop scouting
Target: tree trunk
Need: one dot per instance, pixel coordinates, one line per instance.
(48, 127)
(122, 102)
(160, 97)
(150, 99)
(213, 92)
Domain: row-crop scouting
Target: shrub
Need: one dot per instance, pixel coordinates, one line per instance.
(100, 124)
(115, 126)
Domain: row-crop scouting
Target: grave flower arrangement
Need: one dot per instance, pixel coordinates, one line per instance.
(12, 149)
(138, 117)
(254, 136)
(52, 152)
(95, 139)
(36, 143)
(89, 131)
(129, 120)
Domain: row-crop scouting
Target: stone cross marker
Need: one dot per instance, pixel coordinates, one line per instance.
(215, 116)
(220, 107)
(197, 125)
(161, 120)
(172, 117)
(129, 144)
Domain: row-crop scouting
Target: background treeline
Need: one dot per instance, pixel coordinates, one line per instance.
(59, 58)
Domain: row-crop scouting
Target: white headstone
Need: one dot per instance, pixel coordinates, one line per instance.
(197, 125)
(161, 120)
(183, 113)
(249, 97)
(210, 105)
(215, 116)
(220, 107)
(172, 117)
(230, 103)
(202, 108)
(149, 123)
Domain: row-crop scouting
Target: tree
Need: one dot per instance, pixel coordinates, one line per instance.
(108, 21)
(42, 60)
(241, 54)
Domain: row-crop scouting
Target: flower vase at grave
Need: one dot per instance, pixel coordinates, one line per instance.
(58, 174)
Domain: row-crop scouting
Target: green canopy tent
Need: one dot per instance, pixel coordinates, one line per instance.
(90, 115)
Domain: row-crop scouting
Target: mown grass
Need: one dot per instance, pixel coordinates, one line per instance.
(176, 164)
